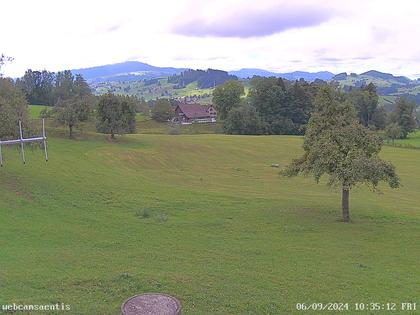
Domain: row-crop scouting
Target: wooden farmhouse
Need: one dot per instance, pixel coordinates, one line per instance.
(195, 113)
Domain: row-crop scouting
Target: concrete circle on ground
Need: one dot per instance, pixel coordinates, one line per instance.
(151, 304)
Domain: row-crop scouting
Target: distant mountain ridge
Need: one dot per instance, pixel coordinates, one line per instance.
(135, 70)
(389, 87)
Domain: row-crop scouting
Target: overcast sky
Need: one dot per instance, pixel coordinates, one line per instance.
(277, 35)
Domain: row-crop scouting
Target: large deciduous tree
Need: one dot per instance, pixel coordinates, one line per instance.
(63, 85)
(271, 100)
(162, 110)
(38, 86)
(227, 96)
(116, 115)
(365, 100)
(337, 145)
(243, 120)
(405, 116)
(77, 107)
(283, 106)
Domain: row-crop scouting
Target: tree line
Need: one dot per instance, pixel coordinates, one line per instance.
(271, 106)
(70, 102)
(278, 106)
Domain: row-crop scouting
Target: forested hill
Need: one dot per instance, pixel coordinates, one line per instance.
(125, 71)
(205, 79)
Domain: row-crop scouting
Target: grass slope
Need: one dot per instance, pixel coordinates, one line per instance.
(161, 89)
(35, 110)
(413, 139)
(223, 232)
(387, 97)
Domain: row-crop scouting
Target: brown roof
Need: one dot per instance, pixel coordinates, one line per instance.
(194, 110)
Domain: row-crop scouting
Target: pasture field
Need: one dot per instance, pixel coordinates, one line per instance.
(413, 140)
(144, 124)
(204, 218)
(155, 90)
(35, 111)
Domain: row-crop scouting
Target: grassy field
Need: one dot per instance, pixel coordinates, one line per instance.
(204, 218)
(144, 125)
(155, 90)
(412, 140)
(35, 110)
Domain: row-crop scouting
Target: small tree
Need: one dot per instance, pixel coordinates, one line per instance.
(77, 108)
(227, 96)
(115, 114)
(393, 131)
(73, 111)
(13, 107)
(338, 146)
(162, 110)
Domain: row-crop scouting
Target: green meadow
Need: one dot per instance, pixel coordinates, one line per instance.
(413, 139)
(35, 111)
(204, 218)
(156, 90)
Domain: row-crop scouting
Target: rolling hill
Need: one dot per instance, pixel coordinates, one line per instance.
(388, 86)
(151, 82)
(155, 88)
(108, 219)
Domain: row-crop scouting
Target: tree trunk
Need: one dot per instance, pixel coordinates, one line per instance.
(70, 131)
(112, 135)
(345, 204)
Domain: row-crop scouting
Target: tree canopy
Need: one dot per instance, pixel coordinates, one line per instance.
(49, 88)
(365, 100)
(404, 115)
(283, 106)
(116, 114)
(338, 146)
(244, 120)
(13, 107)
(75, 101)
(227, 96)
(162, 110)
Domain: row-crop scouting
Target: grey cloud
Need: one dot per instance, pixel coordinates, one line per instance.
(253, 22)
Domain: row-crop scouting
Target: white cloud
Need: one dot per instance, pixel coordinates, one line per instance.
(359, 36)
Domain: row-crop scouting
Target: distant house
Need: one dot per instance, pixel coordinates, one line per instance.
(195, 113)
